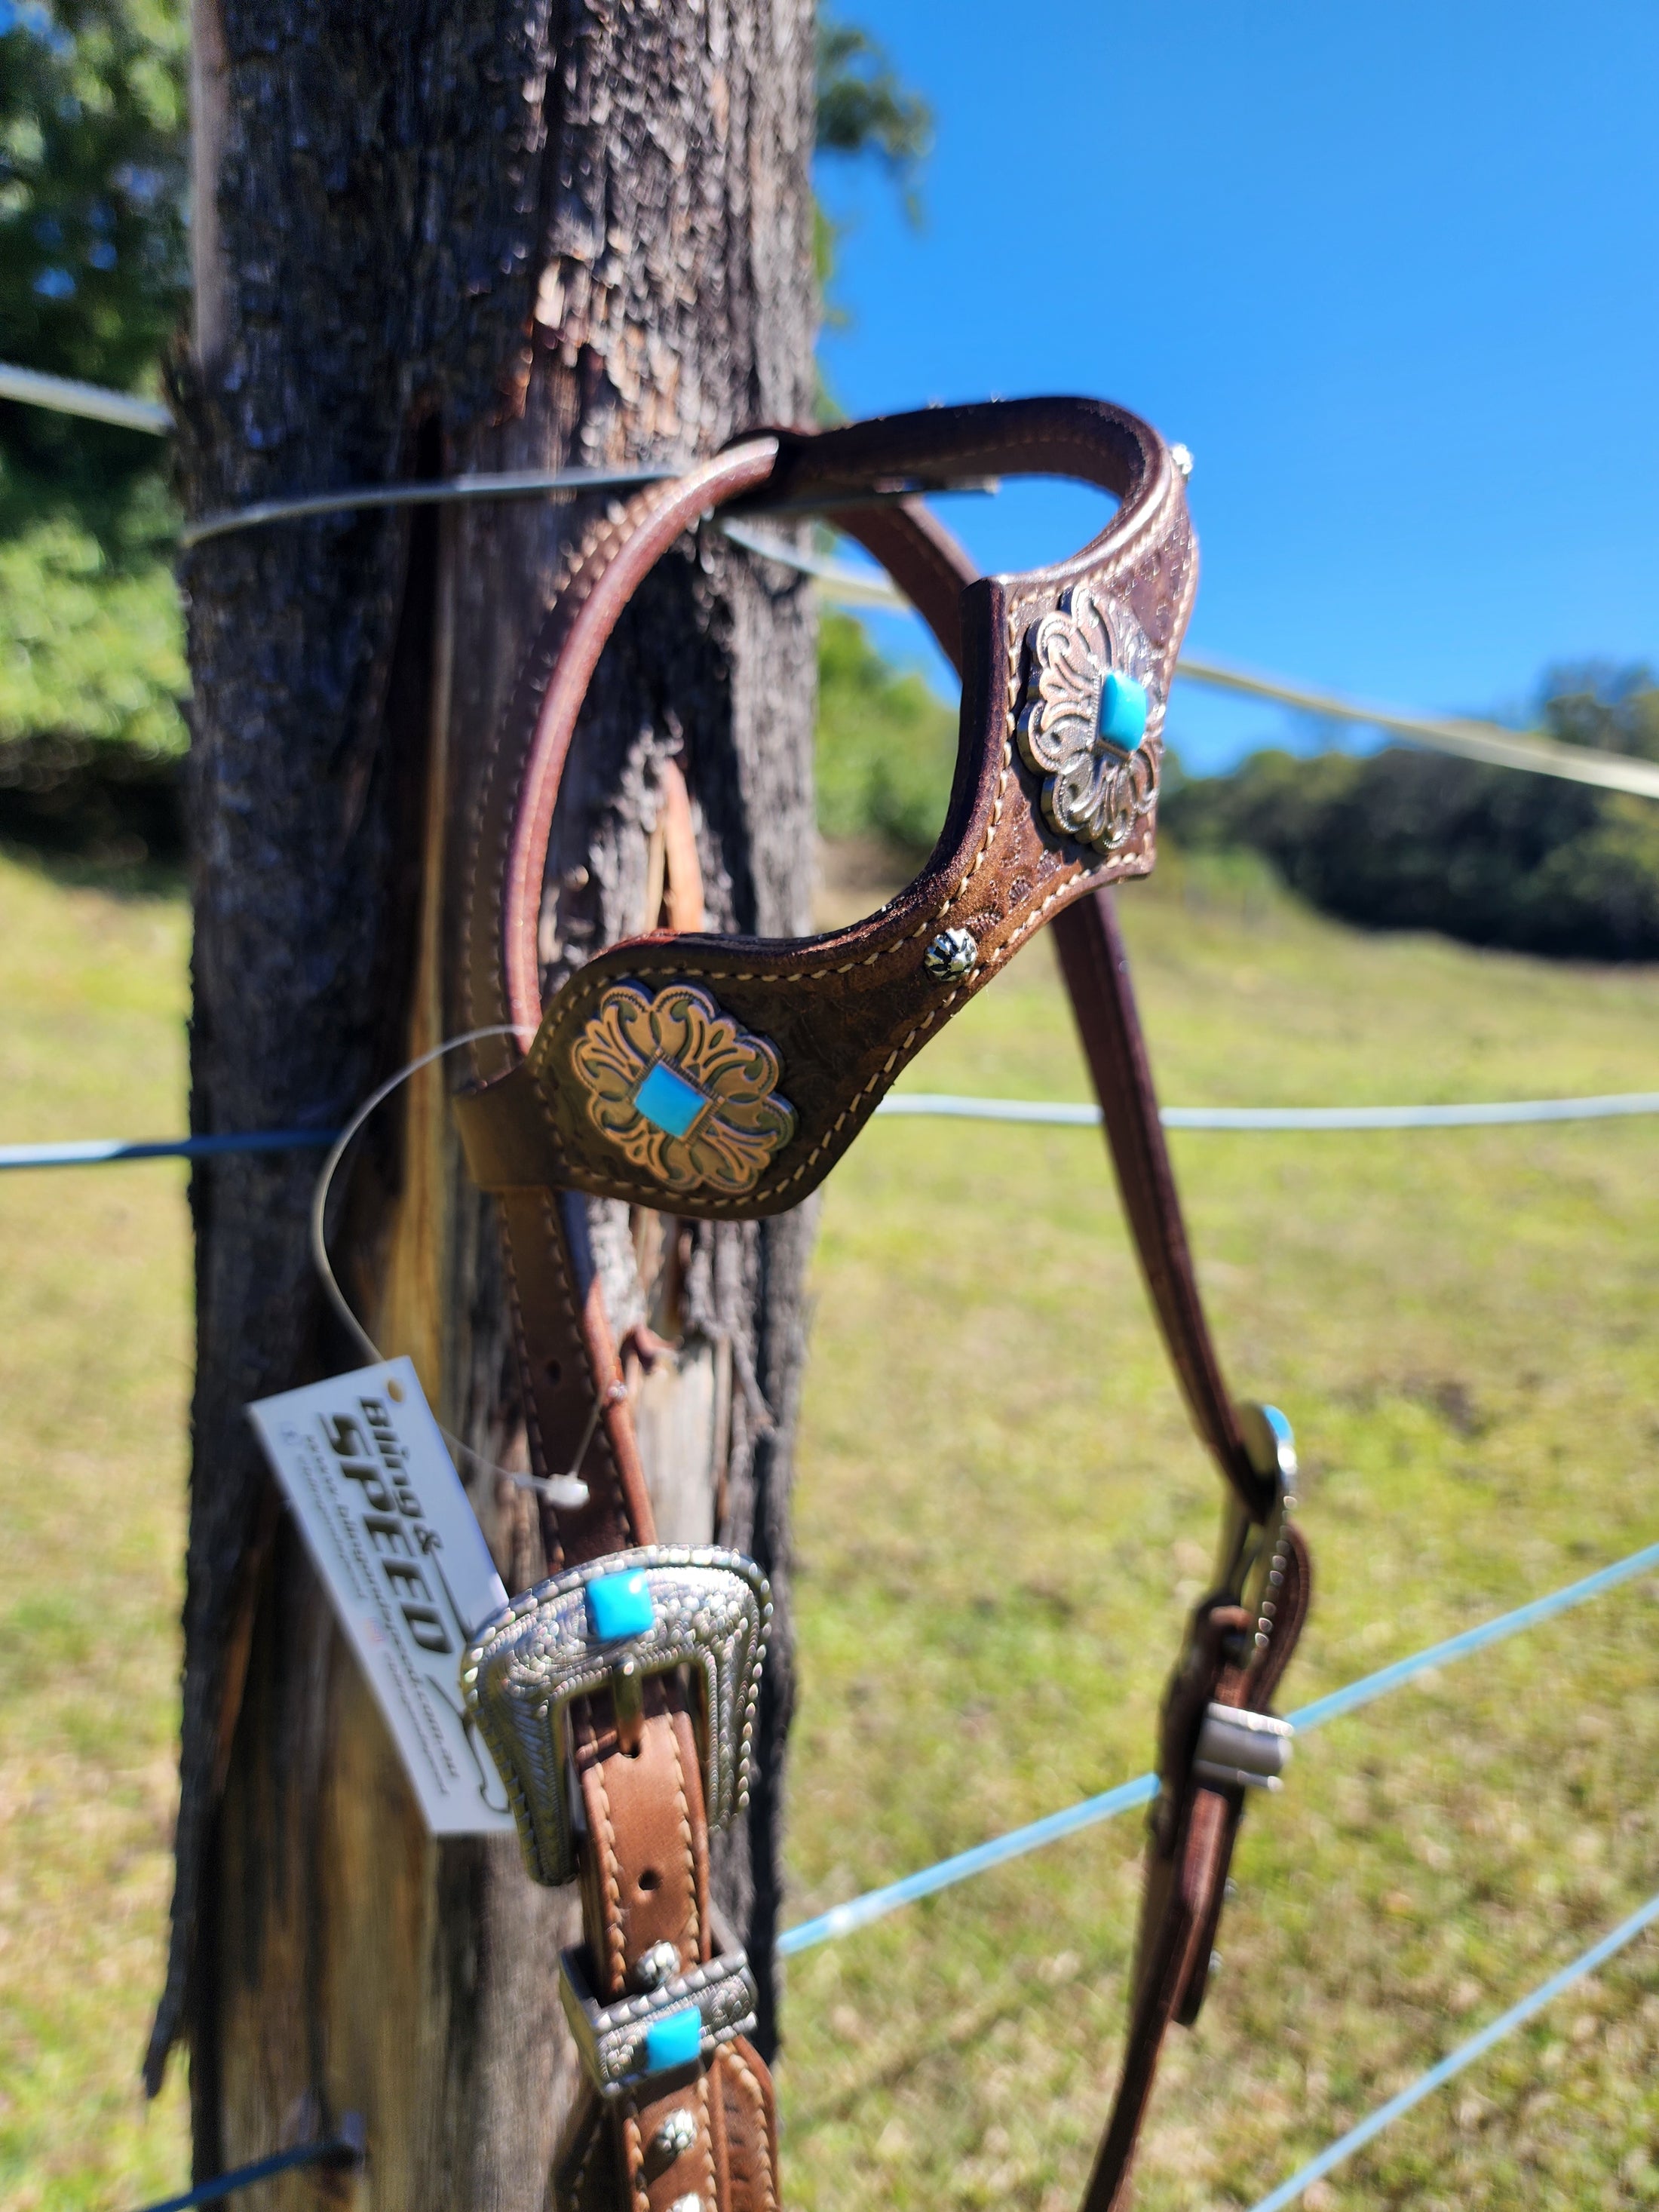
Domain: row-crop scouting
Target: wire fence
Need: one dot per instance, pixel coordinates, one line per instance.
(1437, 2076)
(1054, 1827)
(1469, 740)
(104, 1151)
(343, 2152)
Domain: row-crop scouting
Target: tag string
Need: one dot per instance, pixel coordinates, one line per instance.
(567, 1490)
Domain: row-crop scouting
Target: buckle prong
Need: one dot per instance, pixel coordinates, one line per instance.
(628, 1702)
(605, 1625)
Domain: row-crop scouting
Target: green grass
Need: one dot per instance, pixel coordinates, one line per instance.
(1001, 1515)
(95, 1380)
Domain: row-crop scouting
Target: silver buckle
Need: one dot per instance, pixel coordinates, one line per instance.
(613, 2040)
(1242, 1750)
(710, 1610)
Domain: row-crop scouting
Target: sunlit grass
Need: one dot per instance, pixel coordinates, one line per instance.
(1000, 1517)
(94, 1375)
(1002, 1514)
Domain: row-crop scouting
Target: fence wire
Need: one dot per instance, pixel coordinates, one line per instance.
(876, 1904)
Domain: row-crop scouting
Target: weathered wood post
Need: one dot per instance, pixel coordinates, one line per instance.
(432, 239)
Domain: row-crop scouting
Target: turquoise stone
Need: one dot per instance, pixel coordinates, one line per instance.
(1122, 711)
(1280, 1427)
(619, 1605)
(667, 1100)
(676, 2040)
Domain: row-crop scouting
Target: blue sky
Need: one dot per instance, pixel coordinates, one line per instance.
(1390, 272)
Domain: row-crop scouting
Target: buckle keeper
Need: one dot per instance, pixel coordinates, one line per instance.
(1241, 1750)
(614, 2042)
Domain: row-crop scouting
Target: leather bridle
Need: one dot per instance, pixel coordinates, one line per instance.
(721, 1077)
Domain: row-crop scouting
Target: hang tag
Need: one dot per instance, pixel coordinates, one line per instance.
(388, 1527)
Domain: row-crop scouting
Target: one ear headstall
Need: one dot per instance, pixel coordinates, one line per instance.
(722, 1078)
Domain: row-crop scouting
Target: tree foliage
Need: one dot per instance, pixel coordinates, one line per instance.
(865, 113)
(93, 278)
(862, 108)
(1408, 840)
(94, 261)
(886, 743)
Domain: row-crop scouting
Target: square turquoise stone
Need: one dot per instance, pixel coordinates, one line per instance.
(676, 2040)
(619, 1605)
(667, 1100)
(1123, 711)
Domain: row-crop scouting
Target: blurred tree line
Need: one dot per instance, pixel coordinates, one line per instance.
(93, 278)
(1407, 840)
(94, 281)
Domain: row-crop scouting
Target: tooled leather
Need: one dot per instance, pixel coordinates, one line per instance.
(749, 2115)
(742, 2128)
(846, 1011)
(525, 760)
(1183, 1893)
(568, 1359)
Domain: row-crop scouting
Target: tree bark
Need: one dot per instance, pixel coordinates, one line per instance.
(436, 238)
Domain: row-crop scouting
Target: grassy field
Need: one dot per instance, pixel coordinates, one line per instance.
(94, 1386)
(1001, 1517)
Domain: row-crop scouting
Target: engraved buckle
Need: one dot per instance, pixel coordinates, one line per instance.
(1241, 1750)
(614, 2040)
(708, 1609)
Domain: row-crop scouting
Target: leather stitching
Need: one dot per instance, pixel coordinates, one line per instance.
(1079, 874)
(706, 2135)
(758, 2132)
(634, 2151)
(565, 581)
(693, 1920)
(612, 1873)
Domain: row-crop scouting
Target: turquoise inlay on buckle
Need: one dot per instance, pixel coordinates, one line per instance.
(676, 2040)
(667, 1100)
(619, 1605)
(1123, 709)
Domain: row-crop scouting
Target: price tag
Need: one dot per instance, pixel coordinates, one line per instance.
(388, 1527)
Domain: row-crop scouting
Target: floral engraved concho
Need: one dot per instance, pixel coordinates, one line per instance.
(1094, 706)
(688, 1094)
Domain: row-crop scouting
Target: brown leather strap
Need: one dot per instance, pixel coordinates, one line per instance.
(1194, 1834)
(1097, 971)
(643, 1862)
(933, 571)
(1194, 1831)
(643, 1851)
(807, 1036)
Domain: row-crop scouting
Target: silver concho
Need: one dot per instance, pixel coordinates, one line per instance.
(1092, 789)
(712, 1610)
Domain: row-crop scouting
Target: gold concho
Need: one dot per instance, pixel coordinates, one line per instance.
(686, 1094)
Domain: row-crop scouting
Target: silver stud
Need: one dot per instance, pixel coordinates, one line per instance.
(1183, 457)
(692, 2203)
(657, 1966)
(675, 2136)
(952, 953)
